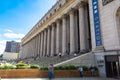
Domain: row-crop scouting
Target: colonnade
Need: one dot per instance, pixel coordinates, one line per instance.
(67, 35)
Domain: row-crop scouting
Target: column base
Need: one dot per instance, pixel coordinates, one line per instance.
(84, 51)
(99, 49)
(74, 52)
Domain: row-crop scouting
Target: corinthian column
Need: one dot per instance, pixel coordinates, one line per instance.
(34, 46)
(35, 51)
(52, 39)
(64, 34)
(41, 51)
(48, 42)
(72, 32)
(82, 27)
(57, 36)
(44, 54)
(39, 45)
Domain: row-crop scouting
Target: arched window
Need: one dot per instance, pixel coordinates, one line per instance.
(118, 21)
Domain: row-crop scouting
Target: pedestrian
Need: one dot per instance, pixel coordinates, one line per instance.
(92, 71)
(51, 73)
(60, 54)
(81, 71)
(75, 54)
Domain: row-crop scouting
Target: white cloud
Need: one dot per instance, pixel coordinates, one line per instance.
(2, 46)
(18, 40)
(13, 35)
(8, 30)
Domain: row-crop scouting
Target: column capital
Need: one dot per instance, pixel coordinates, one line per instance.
(71, 11)
(64, 16)
(58, 20)
(42, 31)
(48, 27)
(53, 24)
(45, 29)
(80, 4)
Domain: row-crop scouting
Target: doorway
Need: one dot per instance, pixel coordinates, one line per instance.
(112, 66)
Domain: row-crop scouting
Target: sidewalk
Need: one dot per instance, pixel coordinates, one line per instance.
(86, 78)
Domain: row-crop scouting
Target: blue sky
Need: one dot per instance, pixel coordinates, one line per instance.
(17, 17)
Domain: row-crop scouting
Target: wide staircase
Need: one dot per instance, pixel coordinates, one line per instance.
(45, 61)
(78, 59)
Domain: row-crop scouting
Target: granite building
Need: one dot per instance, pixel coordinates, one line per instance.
(75, 26)
(12, 46)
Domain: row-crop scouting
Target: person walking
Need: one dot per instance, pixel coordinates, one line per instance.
(51, 73)
(81, 71)
(92, 70)
(60, 54)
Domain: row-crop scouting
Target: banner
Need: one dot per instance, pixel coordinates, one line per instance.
(96, 23)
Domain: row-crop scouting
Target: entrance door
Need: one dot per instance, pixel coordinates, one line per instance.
(112, 66)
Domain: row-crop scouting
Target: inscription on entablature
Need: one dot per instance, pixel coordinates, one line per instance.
(105, 2)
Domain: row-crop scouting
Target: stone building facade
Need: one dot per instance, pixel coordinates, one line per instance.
(12, 46)
(74, 26)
